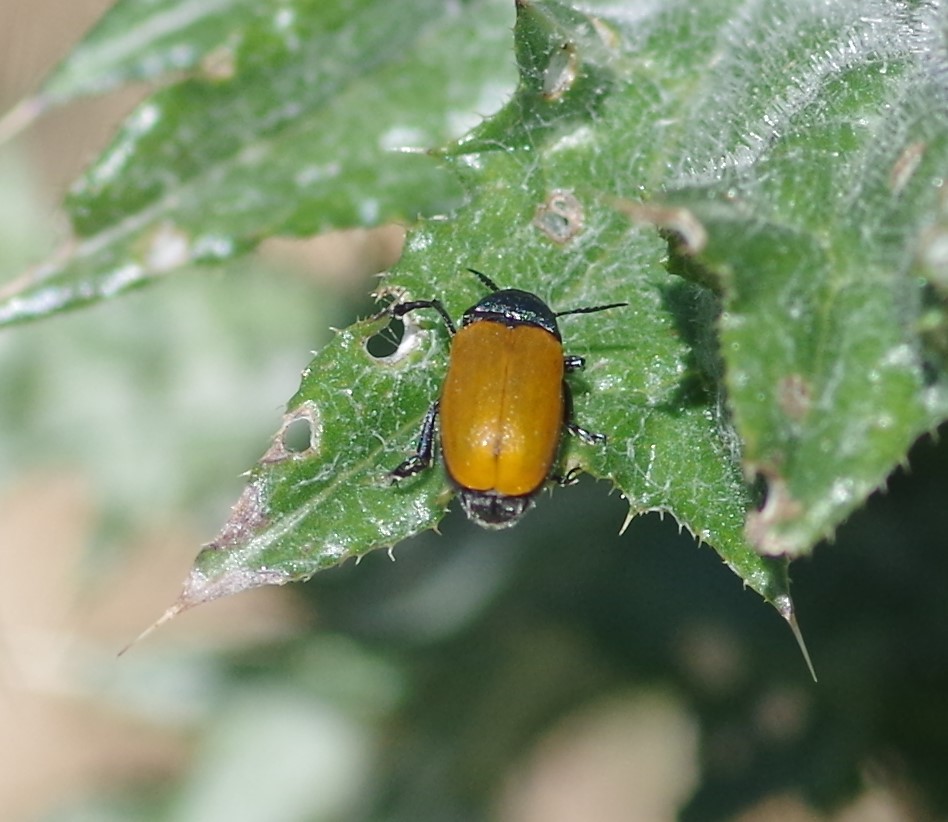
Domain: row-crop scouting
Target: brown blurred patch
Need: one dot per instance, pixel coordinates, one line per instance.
(631, 758)
(34, 36)
(58, 637)
(340, 257)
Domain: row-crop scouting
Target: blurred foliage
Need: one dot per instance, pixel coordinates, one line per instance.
(647, 611)
(447, 668)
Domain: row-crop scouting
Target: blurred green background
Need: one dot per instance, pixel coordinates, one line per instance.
(479, 676)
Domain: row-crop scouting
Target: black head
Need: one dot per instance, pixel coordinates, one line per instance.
(494, 511)
(512, 306)
(515, 307)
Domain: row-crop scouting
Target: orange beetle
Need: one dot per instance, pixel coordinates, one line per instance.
(504, 403)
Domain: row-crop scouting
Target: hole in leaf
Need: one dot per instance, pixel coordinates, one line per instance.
(384, 344)
(297, 436)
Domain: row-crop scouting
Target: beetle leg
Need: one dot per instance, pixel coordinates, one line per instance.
(588, 437)
(569, 478)
(571, 362)
(424, 451)
(401, 309)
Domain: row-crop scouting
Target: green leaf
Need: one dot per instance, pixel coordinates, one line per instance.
(536, 220)
(317, 117)
(817, 181)
(729, 138)
(311, 507)
(150, 40)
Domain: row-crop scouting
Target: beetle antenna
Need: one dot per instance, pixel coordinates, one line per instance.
(485, 279)
(590, 309)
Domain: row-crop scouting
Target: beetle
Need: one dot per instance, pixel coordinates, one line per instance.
(504, 403)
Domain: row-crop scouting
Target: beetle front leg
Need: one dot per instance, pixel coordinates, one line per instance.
(571, 362)
(401, 309)
(424, 451)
